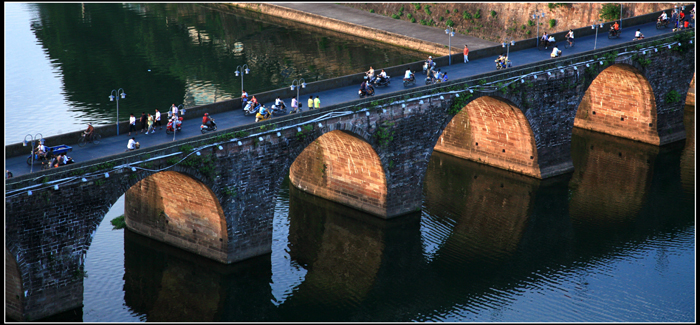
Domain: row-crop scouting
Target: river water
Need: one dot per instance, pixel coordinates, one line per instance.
(62, 60)
(612, 242)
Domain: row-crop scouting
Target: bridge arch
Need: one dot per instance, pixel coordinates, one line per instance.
(343, 167)
(178, 209)
(494, 131)
(620, 101)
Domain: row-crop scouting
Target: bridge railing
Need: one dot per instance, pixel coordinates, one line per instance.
(479, 83)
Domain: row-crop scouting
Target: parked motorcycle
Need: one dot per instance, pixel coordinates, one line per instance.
(205, 128)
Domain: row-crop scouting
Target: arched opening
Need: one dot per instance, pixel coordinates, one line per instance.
(494, 132)
(620, 102)
(13, 288)
(175, 208)
(343, 168)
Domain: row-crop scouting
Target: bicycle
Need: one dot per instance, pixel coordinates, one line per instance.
(94, 139)
(569, 43)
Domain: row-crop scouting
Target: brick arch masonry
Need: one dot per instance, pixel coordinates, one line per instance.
(343, 168)
(179, 210)
(620, 102)
(492, 131)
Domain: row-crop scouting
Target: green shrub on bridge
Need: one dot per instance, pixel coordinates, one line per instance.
(610, 12)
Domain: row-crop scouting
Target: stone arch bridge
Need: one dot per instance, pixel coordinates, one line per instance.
(214, 194)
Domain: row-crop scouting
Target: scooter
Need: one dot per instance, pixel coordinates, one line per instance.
(178, 125)
(249, 109)
(204, 128)
(259, 117)
(425, 66)
(382, 81)
(279, 109)
(370, 92)
(430, 81)
(411, 81)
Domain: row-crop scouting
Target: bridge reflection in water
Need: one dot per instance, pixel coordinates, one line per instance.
(484, 235)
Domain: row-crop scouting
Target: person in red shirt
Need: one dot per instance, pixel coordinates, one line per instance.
(206, 120)
(466, 53)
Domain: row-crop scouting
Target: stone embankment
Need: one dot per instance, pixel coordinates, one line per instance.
(508, 20)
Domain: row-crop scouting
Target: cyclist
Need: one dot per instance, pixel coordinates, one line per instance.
(570, 37)
(88, 133)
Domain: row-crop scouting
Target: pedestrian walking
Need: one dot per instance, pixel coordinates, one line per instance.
(466, 53)
(317, 103)
(157, 121)
(150, 124)
(143, 120)
(174, 110)
(132, 123)
(311, 102)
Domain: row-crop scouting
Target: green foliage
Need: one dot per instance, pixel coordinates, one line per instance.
(371, 11)
(459, 102)
(45, 179)
(186, 148)
(413, 19)
(230, 191)
(684, 39)
(466, 15)
(173, 160)
(423, 22)
(493, 14)
(431, 22)
(447, 11)
(610, 12)
(478, 14)
(384, 135)
(410, 16)
(450, 23)
(118, 222)
(553, 6)
(442, 18)
(523, 27)
(99, 182)
(427, 11)
(528, 32)
(391, 164)
(77, 172)
(417, 6)
(482, 82)
(530, 22)
(672, 97)
(552, 23)
(395, 16)
(456, 10)
(401, 9)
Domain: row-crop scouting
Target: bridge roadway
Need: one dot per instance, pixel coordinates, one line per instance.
(115, 144)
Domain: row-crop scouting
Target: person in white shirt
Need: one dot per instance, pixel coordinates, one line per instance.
(132, 123)
(555, 52)
(408, 74)
(40, 150)
(131, 145)
(157, 122)
(663, 17)
(638, 35)
(550, 40)
(244, 98)
(570, 37)
(279, 103)
(382, 75)
(174, 109)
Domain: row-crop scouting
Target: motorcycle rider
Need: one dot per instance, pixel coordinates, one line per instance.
(409, 75)
(207, 121)
(279, 103)
(638, 35)
(370, 74)
(382, 76)
(663, 17)
(364, 87)
(88, 133)
(244, 98)
(615, 28)
(41, 150)
(263, 114)
(501, 60)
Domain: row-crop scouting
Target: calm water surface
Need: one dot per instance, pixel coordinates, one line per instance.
(612, 242)
(62, 60)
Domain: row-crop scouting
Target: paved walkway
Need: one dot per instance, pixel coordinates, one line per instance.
(401, 27)
(116, 144)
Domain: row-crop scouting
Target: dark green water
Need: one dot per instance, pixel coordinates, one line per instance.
(64, 59)
(612, 242)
